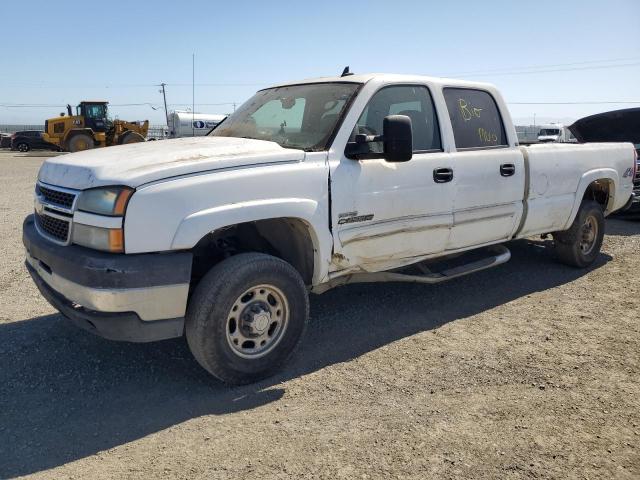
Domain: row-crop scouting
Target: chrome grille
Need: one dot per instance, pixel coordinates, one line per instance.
(54, 227)
(54, 208)
(56, 197)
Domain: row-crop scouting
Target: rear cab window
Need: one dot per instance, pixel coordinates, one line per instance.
(475, 119)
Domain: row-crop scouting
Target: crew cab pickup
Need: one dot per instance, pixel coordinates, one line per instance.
(308, 185)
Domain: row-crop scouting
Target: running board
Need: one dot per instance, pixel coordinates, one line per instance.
(501, 255)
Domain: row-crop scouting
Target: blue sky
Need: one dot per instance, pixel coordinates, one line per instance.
(76, 51)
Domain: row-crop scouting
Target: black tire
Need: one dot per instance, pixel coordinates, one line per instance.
(209, 321)
(23, 147)
(80, 142)
(580, 245)
(130, 137)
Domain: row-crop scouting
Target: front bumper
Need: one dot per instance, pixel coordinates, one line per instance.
(138, 298)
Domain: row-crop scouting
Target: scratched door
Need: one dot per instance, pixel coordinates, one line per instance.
(385, 214)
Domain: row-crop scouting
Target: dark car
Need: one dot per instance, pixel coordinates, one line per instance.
(615, 126)
(30, 140)
(5, 140)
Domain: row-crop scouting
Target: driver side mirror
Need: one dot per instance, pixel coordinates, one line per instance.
(396, 138)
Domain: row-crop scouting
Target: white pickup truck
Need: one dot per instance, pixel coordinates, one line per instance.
(307, 186)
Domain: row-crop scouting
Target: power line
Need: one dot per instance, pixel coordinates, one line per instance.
(522, 70)
(547, 66)
(533, 72)
(152, 104)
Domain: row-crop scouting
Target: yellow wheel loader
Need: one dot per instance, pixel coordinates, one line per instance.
(90, 127)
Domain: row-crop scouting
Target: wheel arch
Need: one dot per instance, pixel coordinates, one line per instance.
(599, 185)
(293, 233)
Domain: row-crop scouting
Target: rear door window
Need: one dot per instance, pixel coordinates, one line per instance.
(475, 118)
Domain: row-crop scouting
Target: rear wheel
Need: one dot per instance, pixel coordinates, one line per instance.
(246, 317)
(130, 137)
(580, 245)
(80, 142)
(23, 147)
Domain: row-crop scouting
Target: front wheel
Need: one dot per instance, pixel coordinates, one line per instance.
(580, 245)
(130, 137)
(246, 317)
(80, 142)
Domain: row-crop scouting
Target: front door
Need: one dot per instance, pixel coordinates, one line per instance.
(387, 214)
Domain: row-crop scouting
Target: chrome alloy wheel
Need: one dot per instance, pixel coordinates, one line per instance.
(588, 235)
(257, 321)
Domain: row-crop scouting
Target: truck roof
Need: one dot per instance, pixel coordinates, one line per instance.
(389, 78)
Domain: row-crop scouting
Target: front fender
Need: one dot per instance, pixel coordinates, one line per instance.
(608, 174)
(198, 224)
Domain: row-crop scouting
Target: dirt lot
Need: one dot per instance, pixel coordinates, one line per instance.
(530, 370)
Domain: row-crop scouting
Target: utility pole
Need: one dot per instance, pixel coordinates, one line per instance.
(164, 96)
(193, 94)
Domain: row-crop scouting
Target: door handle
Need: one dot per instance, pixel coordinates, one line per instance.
(442, 175)
(507, 169)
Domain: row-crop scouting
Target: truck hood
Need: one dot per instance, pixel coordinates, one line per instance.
(139, 163)
(615, 126)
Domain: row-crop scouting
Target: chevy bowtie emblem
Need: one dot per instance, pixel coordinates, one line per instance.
(38, 207)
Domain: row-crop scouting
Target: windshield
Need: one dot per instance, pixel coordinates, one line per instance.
(549, 131)
(296, 116)
(93, 110)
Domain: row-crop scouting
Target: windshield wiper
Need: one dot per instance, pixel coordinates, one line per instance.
(216, 126)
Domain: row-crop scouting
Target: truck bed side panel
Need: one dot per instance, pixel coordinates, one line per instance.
(559, 175)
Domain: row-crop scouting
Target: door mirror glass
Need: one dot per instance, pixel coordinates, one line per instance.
(397, 138)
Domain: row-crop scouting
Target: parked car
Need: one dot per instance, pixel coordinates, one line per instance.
(5, 140)
(307, 186)
(30, 140)
(615, 126)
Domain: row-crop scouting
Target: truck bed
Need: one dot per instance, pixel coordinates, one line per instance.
(552, 184)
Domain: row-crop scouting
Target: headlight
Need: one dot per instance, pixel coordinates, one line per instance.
(106, 239)
(110, 201)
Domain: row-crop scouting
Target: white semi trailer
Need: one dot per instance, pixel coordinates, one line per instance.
(188, 124)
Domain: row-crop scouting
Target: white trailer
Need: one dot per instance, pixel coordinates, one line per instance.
(188, 124)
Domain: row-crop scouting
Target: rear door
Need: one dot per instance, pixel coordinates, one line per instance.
(384, 213)
(489, 172)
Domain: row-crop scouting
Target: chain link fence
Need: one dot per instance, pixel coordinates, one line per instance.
(20, 128)
(155, 131)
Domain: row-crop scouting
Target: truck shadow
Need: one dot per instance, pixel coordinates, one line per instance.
(66, 395)
(624, 226)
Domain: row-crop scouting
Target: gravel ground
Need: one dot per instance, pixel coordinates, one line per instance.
(529, 370)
